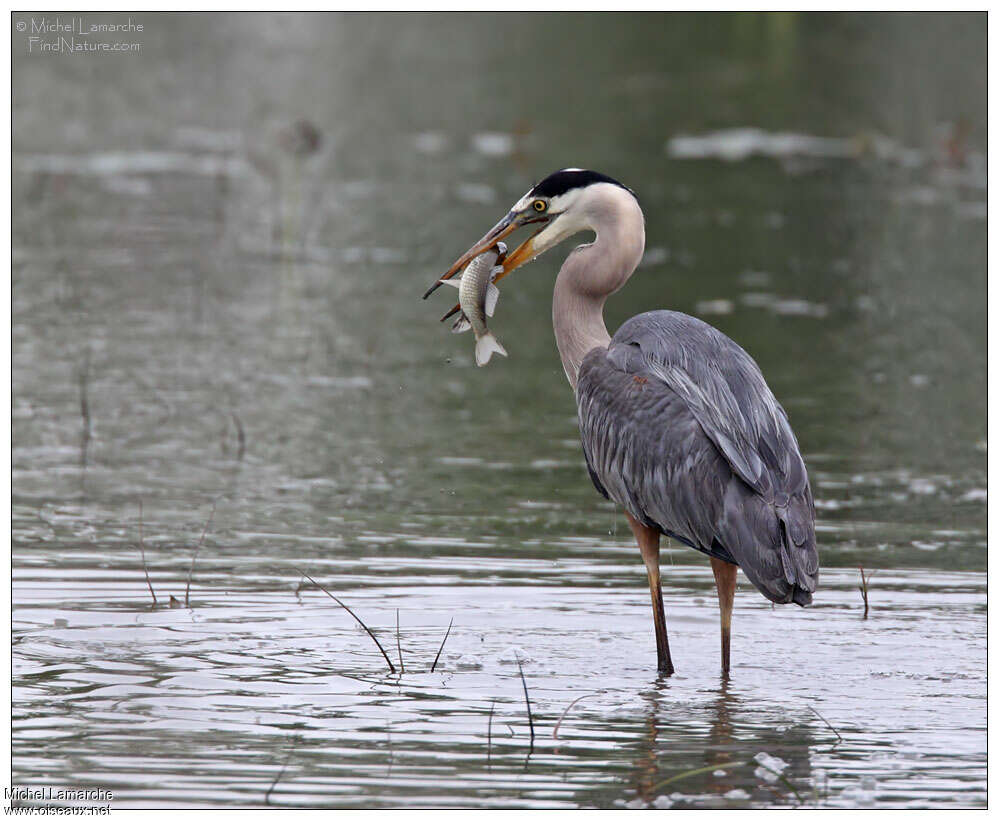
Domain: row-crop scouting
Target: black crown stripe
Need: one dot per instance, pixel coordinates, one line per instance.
(560, 182)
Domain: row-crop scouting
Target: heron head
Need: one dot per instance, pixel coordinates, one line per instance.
(557, 206)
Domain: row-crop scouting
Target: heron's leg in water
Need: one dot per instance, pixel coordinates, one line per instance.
(725, 582)
(648, 543)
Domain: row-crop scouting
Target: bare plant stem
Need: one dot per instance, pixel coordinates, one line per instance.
(441, 649)
(489, 737)
(194, 556)
(83, 377)
(566, 711)
(240, 437)
(357, 618)
(142, 551)
(398, 643)
(863, 590)
(838, 736)
(527, 701)
(270, 789)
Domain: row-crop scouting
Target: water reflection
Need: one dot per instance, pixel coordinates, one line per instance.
(721, 752)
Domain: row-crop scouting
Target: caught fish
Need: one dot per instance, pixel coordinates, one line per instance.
(477, 296)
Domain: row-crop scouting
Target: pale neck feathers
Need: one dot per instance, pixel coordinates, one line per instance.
(594, 271)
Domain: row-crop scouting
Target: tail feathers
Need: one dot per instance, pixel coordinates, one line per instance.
(761, 538)
(485, 346)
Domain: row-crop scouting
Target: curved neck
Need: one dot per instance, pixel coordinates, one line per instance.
(591, 274)
(578, 319)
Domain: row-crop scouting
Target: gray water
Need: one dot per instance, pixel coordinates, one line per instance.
(204, 319)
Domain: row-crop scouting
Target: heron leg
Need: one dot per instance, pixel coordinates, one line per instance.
(648, 544)
(725, 582)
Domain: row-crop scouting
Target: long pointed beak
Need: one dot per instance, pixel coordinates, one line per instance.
(506, 226)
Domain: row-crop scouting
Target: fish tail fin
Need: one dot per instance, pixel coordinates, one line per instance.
(485, 346)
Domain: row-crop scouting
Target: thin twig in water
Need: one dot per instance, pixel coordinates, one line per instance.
(527, 701)
(240, 438)
(357, 618)
(142, 551)
(270, 789)
(83, 376)
(398, 643)
(566, 711)
(863, 590)
(838, 736)
(438, 657)
(194, 556)
(489, 737)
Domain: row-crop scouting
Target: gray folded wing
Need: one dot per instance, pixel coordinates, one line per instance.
(680, 428)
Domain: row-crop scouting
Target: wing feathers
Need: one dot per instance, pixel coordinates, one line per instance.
(679, 427)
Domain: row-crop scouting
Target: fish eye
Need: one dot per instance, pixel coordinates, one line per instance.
(540, 206)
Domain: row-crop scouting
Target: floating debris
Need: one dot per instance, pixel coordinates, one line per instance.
(799, 307)
(977, 494)
(301, 138)
(493, 144)
(514, 655)
(430, 142)
(714, 306)
(736, 144)
(475, 193)
(654, 256)
(755, 279)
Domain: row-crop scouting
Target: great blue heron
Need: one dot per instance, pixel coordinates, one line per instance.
(677, 423)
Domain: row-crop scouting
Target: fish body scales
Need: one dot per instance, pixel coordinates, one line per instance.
(472, 291)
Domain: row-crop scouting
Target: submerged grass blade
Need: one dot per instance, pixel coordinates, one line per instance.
(357, 618)
(438, 656)
(729, 764)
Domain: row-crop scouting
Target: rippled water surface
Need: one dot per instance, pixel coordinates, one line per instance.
(220, 358)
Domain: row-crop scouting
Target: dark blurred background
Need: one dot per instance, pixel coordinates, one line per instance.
(236, 223)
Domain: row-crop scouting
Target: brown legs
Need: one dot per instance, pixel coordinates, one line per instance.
(725, 582)
(648, 543)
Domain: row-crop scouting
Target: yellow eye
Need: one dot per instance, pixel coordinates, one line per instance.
(540, 205)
